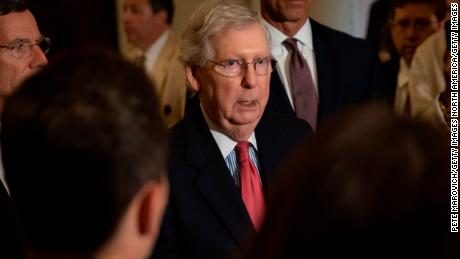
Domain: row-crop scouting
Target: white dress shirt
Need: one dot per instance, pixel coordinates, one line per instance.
(282, 55)
(227, 149)
(226, 144)
(426, 82)
(402, 88)
(152, 53)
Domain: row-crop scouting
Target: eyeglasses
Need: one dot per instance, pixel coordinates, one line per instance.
(21, 48)
(235, 67)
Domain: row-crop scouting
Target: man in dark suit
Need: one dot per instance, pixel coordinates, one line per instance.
(225, 152)
(10, 242)
(19, 59)
(343, 70)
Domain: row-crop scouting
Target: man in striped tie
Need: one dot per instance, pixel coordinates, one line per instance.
(225, 153)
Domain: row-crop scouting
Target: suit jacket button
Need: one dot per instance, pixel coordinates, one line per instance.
(167, 109)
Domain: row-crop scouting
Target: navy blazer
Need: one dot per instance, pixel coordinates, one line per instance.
(206, 217)
(348, 72)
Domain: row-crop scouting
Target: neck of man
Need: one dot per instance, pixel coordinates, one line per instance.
(153, 36)
(236, 132)
(239, 132)
(289, 28)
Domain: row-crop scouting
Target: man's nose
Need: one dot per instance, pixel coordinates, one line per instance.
(412, 32)
(38, 58)
(249, 76)
(125, 16)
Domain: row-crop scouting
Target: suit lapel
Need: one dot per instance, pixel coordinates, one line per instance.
(213, 180)
(267, 152)
(326, 67)
(278, 99)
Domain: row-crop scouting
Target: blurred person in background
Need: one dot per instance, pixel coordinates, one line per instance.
(147, 24)
(430, 79)
(410, 23)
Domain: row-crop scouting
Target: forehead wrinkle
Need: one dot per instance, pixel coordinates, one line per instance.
(243, 52)
(19, 25)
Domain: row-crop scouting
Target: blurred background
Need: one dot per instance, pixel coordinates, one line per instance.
(73, 24)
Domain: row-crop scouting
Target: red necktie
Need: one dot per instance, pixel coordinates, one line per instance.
(251, 188)
(303, 90)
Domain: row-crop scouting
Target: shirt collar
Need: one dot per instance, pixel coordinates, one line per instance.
(153, 50)
(403, 74)
(304, 36)
(226, 144)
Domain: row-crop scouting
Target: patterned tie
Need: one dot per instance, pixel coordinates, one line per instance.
(303, 90)
(251, 188)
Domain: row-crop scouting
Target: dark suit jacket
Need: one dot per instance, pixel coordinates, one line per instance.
(348, 72)
(390, 71)
(206, 217)
(10, 242)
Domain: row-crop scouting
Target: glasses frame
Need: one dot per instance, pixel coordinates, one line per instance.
(44, 43)
(243, 65)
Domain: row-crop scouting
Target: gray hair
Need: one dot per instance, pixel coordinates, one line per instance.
(210, 19)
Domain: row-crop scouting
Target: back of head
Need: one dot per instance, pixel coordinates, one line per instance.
(368, 186)
(164, 5)
(12, 6)
(79, 140)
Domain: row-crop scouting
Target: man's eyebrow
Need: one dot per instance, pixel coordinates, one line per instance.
(18, 40)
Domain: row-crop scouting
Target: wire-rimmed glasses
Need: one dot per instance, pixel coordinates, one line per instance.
(21, 48)
(236, 67)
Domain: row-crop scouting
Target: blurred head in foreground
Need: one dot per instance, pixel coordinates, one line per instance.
(83, 147)
(369, 185)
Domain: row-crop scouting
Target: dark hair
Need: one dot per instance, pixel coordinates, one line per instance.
(163, 5)
(79, 140)
(440, 6)
(368, 186)
(12, 6)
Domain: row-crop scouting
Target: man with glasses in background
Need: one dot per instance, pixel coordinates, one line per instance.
(22, 53)
(410, 23)
(22, 47)
(225, 152)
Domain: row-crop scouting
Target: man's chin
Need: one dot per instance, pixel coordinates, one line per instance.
(408, 58)
(247, 118)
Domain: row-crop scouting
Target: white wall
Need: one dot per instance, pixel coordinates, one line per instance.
(350, 16)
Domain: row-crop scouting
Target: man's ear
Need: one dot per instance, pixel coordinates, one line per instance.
(154, 199)
(161, 16)
(193, 82)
